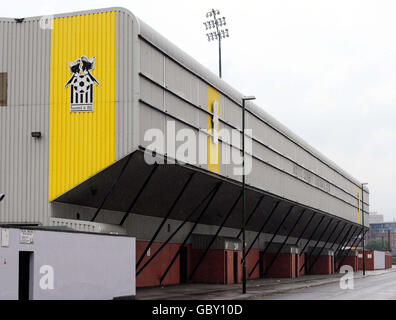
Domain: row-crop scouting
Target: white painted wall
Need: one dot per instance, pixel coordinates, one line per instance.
(86, 266)
(379, 260)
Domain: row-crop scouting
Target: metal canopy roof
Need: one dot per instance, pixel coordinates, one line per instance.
(168, 182)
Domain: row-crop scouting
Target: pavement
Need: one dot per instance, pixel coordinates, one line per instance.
(381, 286)
(280, 289)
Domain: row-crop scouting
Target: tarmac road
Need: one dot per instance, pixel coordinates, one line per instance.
(379, 287)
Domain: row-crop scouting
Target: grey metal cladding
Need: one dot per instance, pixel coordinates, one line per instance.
(25, 56)
(283, 163)
(195, 67)
(126, 40)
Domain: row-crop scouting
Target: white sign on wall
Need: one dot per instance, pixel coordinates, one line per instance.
(26, 237)
(5, 237)
(215, 123)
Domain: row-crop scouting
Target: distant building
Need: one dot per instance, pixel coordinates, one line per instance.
(383, 227)
(376, 218)
(380, 231)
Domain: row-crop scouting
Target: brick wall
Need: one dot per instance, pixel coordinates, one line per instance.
(369, 261)
(151, 276)
(323, 265)
(348, 261)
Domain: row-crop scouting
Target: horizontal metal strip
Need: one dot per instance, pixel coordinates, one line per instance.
(240, 131)
(254, 157)
(250, 112)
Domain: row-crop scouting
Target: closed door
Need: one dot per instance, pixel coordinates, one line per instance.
(261, 264)
(226, 267)
(183, 265)
(235, 267)
(24, 276)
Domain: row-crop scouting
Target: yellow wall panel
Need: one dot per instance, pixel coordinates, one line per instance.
(81, 143)
(213, 149)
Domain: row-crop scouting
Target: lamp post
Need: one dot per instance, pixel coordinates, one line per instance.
(244, 99)
(218, 34)
(363, 233)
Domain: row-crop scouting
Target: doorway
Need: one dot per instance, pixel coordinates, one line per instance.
(24, 277)
(261, 264)
(183, 265)
(235, 267)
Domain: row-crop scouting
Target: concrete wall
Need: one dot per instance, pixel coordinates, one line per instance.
(86, 266)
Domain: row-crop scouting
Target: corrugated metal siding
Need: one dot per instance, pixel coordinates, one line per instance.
(174, 93)
(24, 54)
(126, 95)
(210, 78)
(81, 143)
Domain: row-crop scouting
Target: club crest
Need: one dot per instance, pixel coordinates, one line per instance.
(81, 84)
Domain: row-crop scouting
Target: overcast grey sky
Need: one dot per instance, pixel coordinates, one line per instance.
(326, 69)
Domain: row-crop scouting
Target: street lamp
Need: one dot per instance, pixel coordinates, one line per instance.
(2, 196)
(364, 226)
(244, 99)
(218, 34)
